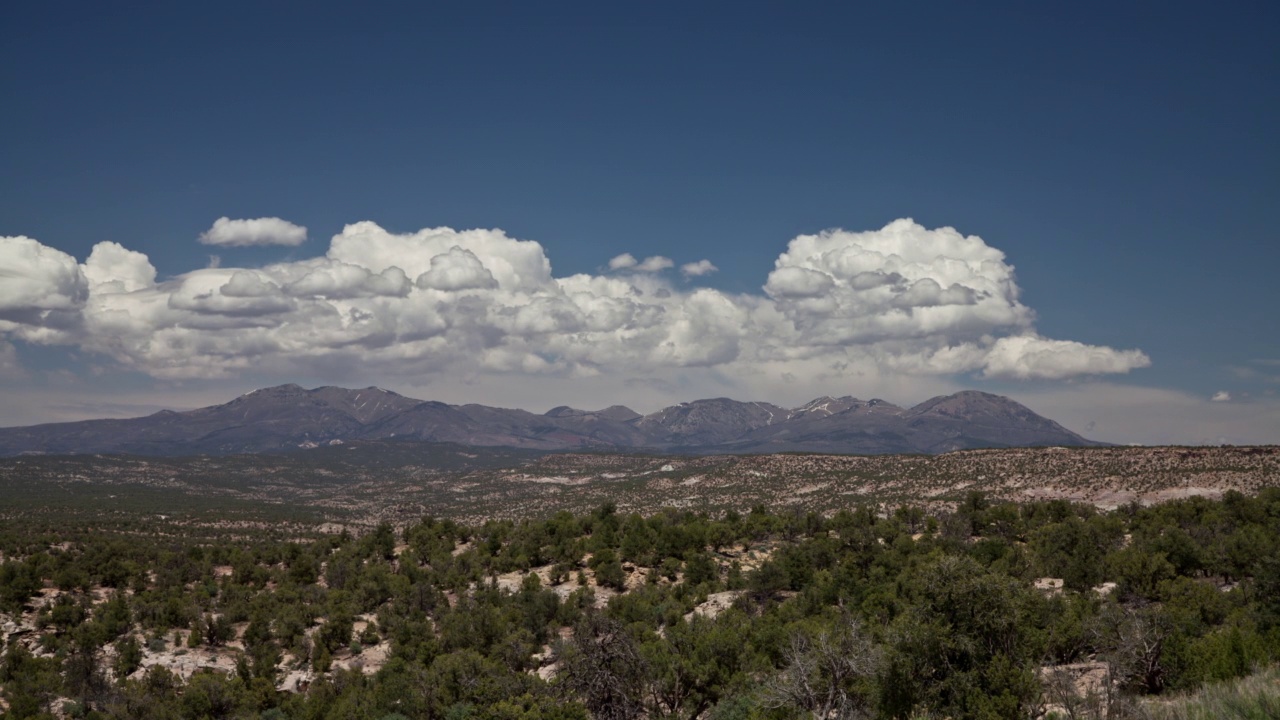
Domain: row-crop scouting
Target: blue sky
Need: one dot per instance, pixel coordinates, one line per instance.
(1124, 161)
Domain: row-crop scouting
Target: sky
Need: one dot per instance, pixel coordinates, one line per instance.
(529, 205)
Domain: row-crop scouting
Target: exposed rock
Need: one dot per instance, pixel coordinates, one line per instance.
(715, 604)
(1076, 687)
(1049, 586)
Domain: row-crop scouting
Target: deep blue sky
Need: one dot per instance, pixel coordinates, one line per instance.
(1123, 155)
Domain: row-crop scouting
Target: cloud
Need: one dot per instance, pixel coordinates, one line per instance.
(249, 284)
(38, 278)
(336, 280)
(517, 265)
(622, 262)
(259, 231)
(458, 269)
(652, 264)
(902, 281)
(1031, 356)
(926, 292)
(900, 302)
(227, 292)
(698, 269)
(656, 263)
(113, 269)
(787, 283)
(1221, 396)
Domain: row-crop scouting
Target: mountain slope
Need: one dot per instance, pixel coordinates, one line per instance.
(289, 417)
(704, 423)
(268, 419)
(974, 419)
(831, 424)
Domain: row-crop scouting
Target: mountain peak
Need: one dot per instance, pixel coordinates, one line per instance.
(968, 403)
(286, 389)
(827, 405)
(617, 413)
(997, 420)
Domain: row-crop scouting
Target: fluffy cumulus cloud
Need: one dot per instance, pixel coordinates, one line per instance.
(1030, 356)
(258, 231)
(698, 269)
(657, 263)
(111, 268)
(903, 300)
(623, 262)
(458, 269)
(900, 282)
(38, 278)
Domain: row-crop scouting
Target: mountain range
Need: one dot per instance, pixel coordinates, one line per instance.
(289, 417)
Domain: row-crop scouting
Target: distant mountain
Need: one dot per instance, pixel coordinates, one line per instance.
(966, 420)
(289, 417)
(270, 419)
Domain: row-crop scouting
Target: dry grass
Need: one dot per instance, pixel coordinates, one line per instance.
(1256, 697)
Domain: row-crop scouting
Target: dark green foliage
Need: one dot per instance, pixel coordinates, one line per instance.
(128, 656)
(963, 644)
(892, 613)
(29, 684)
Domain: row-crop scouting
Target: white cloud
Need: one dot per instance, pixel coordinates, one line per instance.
(623, 261)
(227, 292)
(517, 265)
(903, 301)
(458, 269)
(113, 269)
(652, 264)
(1221, 396)
(787, 283)
(1031, 356)
(37, 278)
(259, 231)
(926, 292)
(656, 263)
(902, 281)
(698, 269)
(336, 280)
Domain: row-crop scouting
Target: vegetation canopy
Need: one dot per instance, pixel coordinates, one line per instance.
(989, 609)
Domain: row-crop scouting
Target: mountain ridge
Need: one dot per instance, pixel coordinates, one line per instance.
(289, 417)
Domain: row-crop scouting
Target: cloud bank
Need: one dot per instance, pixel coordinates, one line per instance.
(438, 303)
(260, 231)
